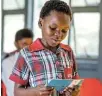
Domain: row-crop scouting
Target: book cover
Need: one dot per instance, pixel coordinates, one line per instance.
(60, 84)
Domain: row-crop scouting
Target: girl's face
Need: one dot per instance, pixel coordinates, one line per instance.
(54, 28)
(23, 42)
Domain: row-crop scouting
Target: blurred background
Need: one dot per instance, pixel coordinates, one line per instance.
(85, 35)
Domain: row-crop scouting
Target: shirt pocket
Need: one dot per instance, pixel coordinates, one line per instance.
(68, 72)
(37, 68)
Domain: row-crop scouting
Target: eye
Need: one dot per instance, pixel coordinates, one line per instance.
(53, 28)
(64, 31)
(25, 44)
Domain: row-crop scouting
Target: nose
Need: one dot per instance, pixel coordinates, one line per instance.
(58, 33)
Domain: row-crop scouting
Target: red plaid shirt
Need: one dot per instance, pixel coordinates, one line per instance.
(38, 65)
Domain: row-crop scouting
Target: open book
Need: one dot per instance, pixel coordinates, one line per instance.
(60, 84)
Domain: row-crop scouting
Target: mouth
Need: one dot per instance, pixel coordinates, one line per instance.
(56, 40)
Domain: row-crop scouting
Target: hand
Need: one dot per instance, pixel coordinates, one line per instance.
(68, 91)
(42, 90)
(71, 91)
(76, 91)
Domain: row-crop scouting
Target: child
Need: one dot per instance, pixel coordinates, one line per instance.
(23, 37)
(46, 58)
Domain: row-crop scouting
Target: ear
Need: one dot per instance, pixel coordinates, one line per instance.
(40, 22)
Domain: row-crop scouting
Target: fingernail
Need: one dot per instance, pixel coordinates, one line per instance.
(61, 92)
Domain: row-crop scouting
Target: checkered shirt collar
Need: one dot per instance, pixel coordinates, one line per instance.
(37, 46)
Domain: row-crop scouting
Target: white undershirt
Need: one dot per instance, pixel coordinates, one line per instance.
(7, 66)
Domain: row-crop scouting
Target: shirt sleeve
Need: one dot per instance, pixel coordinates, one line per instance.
(75, 71)
(20, 71)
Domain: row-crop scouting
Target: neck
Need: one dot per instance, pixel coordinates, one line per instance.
(53, 49)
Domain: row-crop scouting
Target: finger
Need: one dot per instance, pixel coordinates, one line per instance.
(43, 88)
(68, 88)
(42, 85)
(45, 93)
(61, 92)
(77, 87)
(40, 93)
(67, 93)
(49, 88)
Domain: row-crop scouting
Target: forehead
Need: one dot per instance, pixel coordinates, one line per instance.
(58, 18)
(25, 40)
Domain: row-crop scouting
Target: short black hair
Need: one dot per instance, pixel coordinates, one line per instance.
(56, 5)
(23, 33)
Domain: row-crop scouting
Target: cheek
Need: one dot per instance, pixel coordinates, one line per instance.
(46, 32)
(20, 46)
(63, 36)
(30, 42)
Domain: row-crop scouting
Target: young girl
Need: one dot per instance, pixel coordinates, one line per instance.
(46, 58)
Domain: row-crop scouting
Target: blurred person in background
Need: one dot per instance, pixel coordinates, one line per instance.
(23, 38)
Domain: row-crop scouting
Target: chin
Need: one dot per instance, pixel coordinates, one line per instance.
(54, 45)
